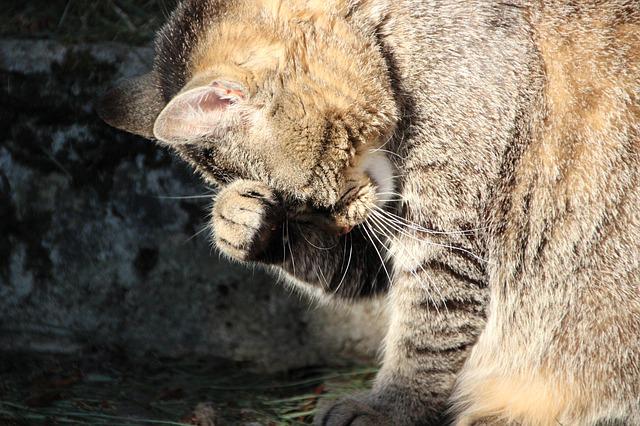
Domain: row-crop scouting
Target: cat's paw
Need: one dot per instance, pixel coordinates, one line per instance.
(246, 216)
(351, 411)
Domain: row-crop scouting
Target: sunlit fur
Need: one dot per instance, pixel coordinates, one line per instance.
(508, 233)
(316, 92)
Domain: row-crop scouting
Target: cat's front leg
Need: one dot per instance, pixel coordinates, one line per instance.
(437, 313)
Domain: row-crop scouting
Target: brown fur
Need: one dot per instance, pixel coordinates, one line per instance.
(511, 248)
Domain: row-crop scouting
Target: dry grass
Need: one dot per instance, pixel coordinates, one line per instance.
(37, 390)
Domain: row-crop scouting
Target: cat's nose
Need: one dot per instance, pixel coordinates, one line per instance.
(344, 230)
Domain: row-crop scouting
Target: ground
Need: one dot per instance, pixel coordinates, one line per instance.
(110, 389)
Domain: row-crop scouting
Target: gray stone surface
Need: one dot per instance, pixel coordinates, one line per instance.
(97, 249)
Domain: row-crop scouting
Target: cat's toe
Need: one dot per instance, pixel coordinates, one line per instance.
(350, 412)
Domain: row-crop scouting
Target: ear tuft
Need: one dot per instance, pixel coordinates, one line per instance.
(133, 105)
(199, 112)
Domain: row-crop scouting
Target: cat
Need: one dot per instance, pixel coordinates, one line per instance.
(477, 161)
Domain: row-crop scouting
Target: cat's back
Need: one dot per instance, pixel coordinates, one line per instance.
(581, 169)
(591, 59)
(580, 59)
(586, 139)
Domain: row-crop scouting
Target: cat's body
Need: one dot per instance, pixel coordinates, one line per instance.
(514, 127)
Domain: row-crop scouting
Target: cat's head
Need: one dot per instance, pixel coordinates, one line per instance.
(292, 93)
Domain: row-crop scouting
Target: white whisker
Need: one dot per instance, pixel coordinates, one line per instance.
(344, 275)
(382, 262)
(204, 228)
(387, 152)
(312, 244)
(391, 237)
(324, 280)
(288, 241)
(186, 197)
(402, 231)
(418, 227)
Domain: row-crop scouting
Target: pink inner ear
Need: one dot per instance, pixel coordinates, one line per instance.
(199, 112)
(224, 93)
(228, 89)
(211, 101)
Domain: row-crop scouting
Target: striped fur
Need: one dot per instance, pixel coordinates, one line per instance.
(508, 235)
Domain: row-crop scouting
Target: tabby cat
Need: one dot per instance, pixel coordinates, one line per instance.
(478, 160)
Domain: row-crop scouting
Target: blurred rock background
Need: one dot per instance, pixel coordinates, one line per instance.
(102, 248)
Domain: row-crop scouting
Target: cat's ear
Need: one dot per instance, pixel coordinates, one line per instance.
(133, 105)
(209, 110)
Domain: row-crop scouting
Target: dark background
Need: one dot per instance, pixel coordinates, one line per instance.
(109, 289)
